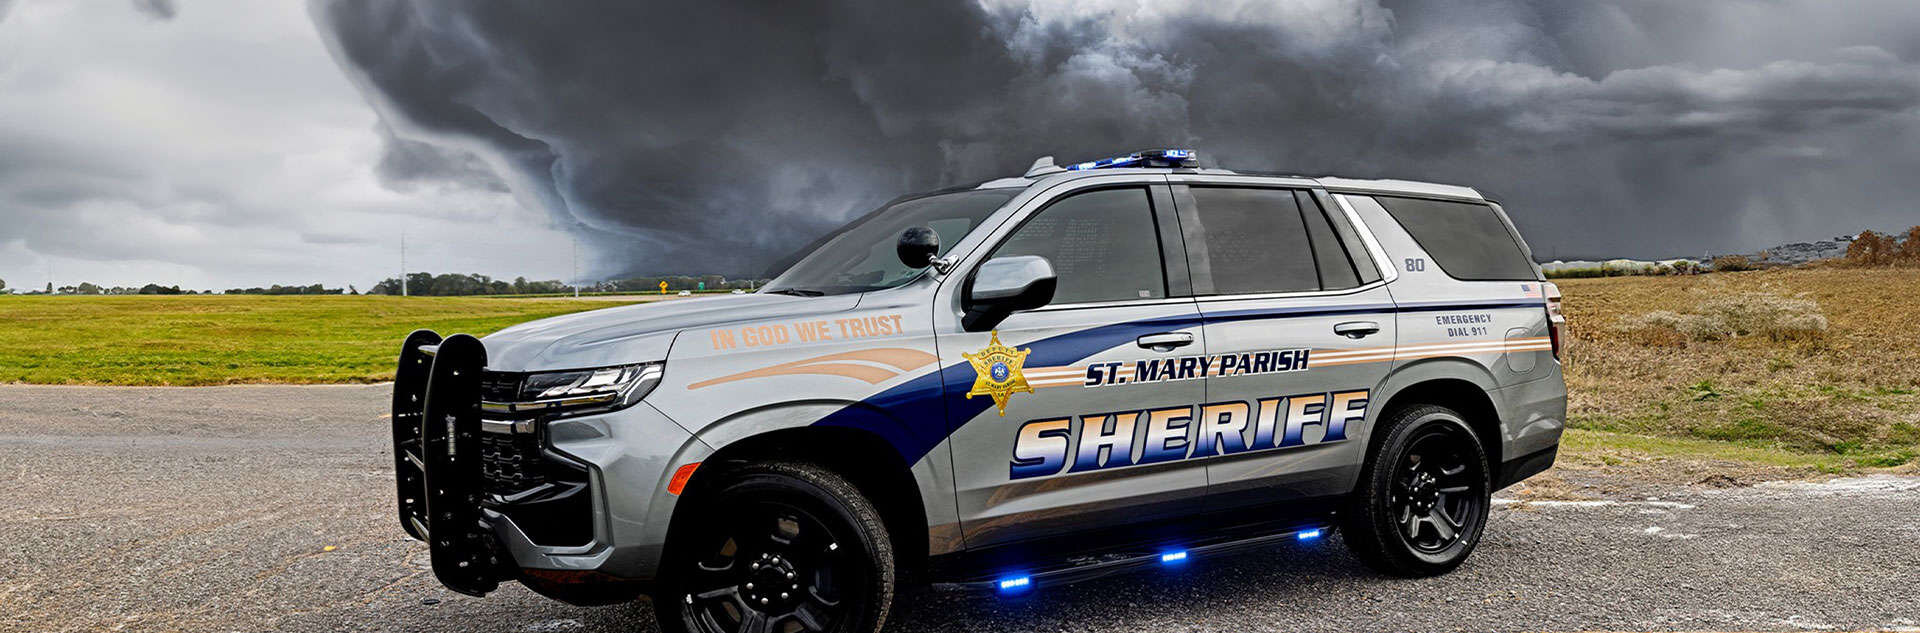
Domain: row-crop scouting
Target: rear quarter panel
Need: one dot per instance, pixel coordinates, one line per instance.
(1492, 333)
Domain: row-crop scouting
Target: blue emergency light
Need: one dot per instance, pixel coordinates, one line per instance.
(1016, 583)
(1308, 535)
(1173, 557)
(1142, 158)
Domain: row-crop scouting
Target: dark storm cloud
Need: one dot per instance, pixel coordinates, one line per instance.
(157, 9)
(683, 137)
(408, 164)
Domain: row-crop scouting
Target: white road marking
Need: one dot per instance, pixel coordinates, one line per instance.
(1675, 505)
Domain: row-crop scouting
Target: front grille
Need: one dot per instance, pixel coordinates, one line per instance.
(510, 463)
(544, 493)
(500, 386)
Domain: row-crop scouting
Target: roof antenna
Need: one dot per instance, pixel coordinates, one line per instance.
(1043, 166)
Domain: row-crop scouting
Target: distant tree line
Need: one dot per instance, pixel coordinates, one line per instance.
(431, 285)
(277, 289)
(456, 284)
(677, 283)
(1876, 249)
(89, 288)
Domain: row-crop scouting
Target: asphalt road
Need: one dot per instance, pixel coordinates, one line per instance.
(268, 508)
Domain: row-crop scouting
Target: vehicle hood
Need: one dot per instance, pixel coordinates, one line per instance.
(639, 332)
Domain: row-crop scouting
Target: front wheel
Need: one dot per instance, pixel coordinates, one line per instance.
(781, 547)
(1423, 498)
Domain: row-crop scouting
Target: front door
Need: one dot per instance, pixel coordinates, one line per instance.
(1053, 433)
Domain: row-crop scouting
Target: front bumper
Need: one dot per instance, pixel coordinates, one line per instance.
(557, 504)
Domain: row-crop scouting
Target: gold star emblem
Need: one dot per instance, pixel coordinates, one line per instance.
(996, 372)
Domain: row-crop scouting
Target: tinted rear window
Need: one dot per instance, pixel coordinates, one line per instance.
(1466, 240)
(1247, 241)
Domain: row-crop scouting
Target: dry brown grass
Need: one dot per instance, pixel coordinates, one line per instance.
(1721, 316)
(1823, 361)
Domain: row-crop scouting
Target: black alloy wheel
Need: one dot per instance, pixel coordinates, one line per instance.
(1434, 494)
(784, 548)
(1423, 498)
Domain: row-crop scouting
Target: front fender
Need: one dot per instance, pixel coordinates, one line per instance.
(932, 474)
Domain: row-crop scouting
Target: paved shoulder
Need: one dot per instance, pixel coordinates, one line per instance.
(269, 508)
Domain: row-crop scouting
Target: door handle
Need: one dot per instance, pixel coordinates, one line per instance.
(1357, 329)
(1165, 341)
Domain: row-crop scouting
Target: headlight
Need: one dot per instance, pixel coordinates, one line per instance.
(581, 391)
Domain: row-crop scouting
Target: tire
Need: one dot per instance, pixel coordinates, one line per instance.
(774, 545)
(1422, 500)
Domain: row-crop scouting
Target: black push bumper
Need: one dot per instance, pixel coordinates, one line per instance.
(437, 459)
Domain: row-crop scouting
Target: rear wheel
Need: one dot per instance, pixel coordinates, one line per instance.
(1423, 498)
(779, 548)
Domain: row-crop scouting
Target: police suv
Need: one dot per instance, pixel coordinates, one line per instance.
(1033, 380)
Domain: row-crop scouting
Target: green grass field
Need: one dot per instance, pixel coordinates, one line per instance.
(1847, 399)
(212, 340)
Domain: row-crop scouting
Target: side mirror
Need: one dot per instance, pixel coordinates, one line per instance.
(918, 247)
(1005, 285)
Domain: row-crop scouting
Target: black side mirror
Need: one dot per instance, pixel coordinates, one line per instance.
(1005, 285)
(918, 247)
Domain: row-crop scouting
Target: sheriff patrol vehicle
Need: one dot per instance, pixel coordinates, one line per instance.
(1121, 363)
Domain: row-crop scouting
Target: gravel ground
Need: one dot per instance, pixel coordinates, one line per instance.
(268, 508)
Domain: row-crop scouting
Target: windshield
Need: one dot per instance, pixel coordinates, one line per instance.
(860, 257)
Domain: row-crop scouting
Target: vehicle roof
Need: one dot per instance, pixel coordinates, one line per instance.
(1331, 183)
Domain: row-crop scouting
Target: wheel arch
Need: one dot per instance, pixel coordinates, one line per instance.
(1456, 384)
(865, 458)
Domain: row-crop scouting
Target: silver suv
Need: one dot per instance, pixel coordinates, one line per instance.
(1021, 383)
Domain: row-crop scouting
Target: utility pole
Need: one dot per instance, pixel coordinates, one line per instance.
(403, 262)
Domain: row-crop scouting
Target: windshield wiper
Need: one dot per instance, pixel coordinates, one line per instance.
(798, 292)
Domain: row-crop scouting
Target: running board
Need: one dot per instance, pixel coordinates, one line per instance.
(1026, 581)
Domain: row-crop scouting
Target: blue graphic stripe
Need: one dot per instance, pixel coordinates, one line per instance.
(1431, 306)
(917, 415)
(1297, 311)
(913, 415)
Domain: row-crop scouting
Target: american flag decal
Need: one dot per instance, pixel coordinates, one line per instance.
(1531, 291)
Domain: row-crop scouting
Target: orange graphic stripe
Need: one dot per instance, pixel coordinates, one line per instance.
(1333, 358)
(858, 365)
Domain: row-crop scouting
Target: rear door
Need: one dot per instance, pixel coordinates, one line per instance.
(1300, 329)
(1056, 450)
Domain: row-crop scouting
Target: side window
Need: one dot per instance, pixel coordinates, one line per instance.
(1245, 241)
(1336, 264)
(1356, 248)
(1102, 244)
(1465, 239)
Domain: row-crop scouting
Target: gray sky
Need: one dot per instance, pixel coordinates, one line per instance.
(240, 143)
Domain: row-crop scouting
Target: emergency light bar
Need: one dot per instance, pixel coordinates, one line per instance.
(1142, 158)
